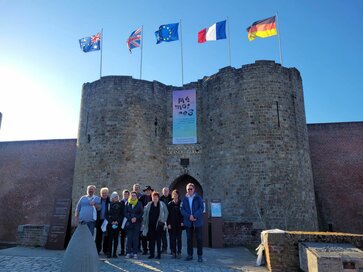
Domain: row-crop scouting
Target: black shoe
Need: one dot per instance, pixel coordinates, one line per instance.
(122, 253)
(114, 255)
(151, 257)
(158, 256)
(108, 256)
(188, 258)
(173, 256)
(144, 253)
(200, 259)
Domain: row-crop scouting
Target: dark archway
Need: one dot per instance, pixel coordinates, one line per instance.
(181, 182)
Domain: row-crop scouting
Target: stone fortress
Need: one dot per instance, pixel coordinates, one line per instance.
(254, 153)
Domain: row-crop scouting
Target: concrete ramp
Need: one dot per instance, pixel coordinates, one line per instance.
(81, 254)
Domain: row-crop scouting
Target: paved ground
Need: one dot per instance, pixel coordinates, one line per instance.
(43, 260)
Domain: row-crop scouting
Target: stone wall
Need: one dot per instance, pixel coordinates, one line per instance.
(282, 249)
(32, 175)
(337, 160)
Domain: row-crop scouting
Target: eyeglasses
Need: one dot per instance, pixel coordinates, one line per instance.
(190, 189)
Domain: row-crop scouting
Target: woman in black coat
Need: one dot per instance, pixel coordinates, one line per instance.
(114, 216)
(175, 224)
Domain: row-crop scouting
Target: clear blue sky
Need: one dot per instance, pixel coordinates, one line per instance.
(42, 68)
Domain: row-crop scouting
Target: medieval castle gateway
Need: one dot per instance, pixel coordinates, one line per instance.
(252, 151)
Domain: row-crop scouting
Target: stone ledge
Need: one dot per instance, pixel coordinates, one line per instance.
(282, 249)
(32, 235)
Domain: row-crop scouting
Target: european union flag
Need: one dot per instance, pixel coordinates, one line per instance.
(167, 33)
(92, 43)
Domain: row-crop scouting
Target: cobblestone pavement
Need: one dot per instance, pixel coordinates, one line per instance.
(215, 260)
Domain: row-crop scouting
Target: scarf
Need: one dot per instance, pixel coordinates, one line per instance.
(133, 202)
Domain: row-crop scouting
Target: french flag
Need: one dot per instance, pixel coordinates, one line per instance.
(213, 33)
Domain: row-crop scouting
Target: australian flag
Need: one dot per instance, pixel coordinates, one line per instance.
(167, 33)
(134, 40)
(92, 43)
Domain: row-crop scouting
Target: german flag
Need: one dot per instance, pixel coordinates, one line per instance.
(263, 28)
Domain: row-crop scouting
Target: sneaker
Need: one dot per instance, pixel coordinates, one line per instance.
(200, 259)
(135, 256)
(128, 256)
(188, 258)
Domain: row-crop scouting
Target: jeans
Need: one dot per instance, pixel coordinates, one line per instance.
(133, 233)
(199, 237)
(91, 225)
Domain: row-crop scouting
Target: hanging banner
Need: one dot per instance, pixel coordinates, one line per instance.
(184, 117)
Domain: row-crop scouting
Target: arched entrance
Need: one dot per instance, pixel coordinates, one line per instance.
(181, 182)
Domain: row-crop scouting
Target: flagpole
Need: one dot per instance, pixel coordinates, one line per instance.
(101, 52)
(142, 45)
(229, 43)
(181, 50)
(278, 36)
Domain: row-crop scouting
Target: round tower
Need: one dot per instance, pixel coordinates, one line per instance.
(120, 134)
(255, 148)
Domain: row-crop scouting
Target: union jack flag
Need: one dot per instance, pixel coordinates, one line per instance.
(134, 40)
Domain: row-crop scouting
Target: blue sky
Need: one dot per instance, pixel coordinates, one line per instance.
(42, 68)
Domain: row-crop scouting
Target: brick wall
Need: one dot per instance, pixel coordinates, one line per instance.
(282, 249)
(32, 175)
(337, 159)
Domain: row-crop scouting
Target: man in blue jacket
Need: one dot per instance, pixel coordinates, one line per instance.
(192, 208)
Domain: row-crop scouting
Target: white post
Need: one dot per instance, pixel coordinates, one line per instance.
(278, 36)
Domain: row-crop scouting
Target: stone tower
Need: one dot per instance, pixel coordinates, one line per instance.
(252, 152)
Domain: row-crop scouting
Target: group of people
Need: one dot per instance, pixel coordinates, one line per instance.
(143, 220)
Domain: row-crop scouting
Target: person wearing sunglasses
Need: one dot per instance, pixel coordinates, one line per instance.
(192, 208)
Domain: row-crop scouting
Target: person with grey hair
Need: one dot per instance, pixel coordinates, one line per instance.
(166, 198)
(114, 215)
(192, 208)
(136, 188)
(102, 237)
(86, 209)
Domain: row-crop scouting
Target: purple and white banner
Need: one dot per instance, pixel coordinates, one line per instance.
(184, 117)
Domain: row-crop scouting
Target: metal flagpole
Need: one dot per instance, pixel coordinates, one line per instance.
(181, 49)
(101, 52)
(142, 45)
(278, 36)
(229, 43)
